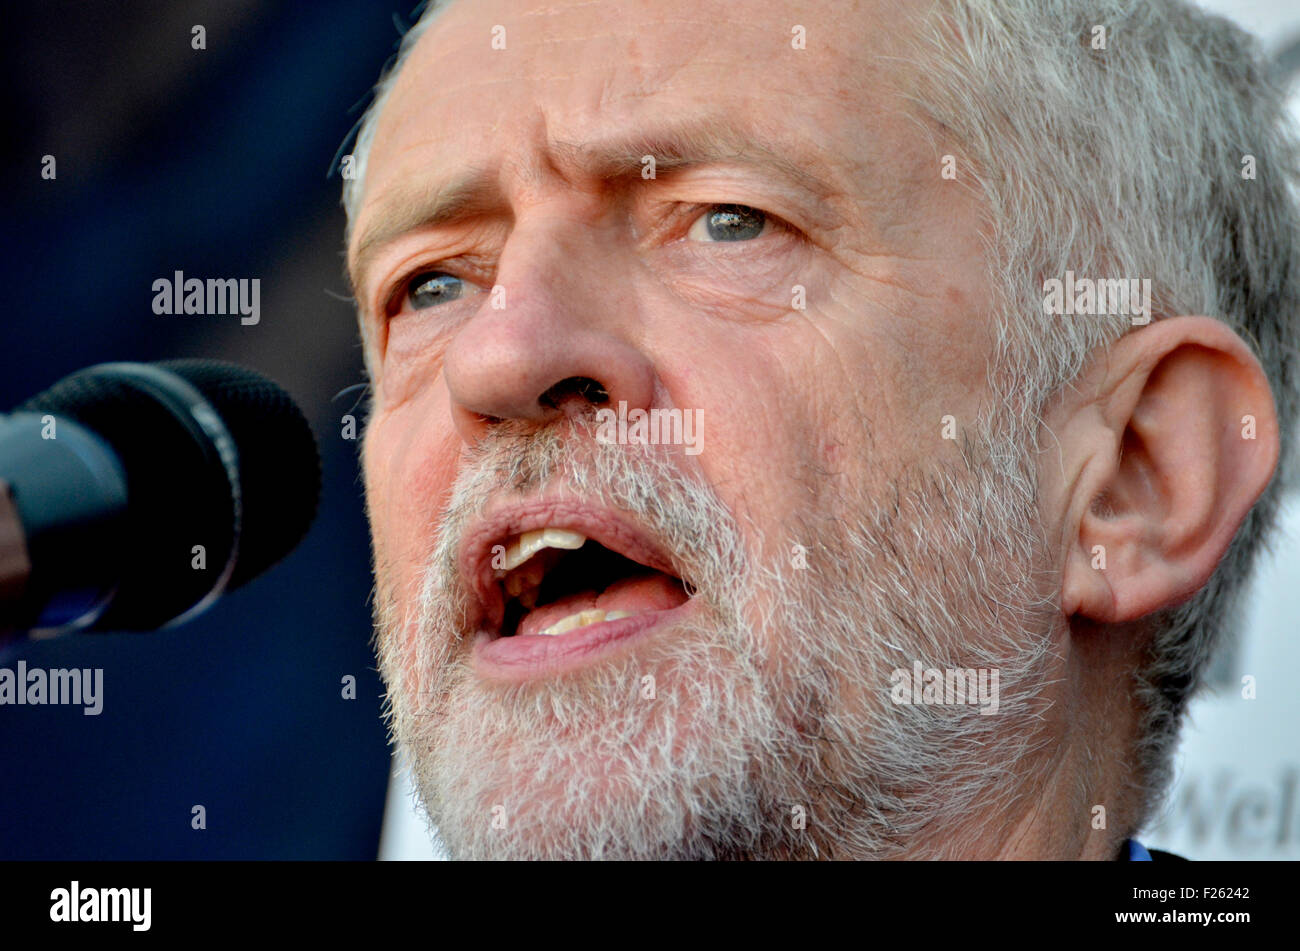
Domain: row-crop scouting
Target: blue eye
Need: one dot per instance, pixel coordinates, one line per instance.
(435, 287)
(729, 223)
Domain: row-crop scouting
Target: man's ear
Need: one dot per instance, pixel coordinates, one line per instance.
(1167, 441)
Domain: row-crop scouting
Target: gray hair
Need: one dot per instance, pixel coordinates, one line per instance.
(1117, 161)
(1127, 161)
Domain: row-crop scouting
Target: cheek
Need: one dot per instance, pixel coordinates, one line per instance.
(409, 467)
(766, 439)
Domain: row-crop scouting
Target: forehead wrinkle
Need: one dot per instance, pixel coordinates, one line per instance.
(683, 144)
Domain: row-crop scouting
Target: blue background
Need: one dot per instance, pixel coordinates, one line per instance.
(216, 162)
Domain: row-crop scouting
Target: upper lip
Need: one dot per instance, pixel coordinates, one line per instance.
(607, 527)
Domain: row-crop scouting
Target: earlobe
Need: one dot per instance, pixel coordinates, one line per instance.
(1181, 442)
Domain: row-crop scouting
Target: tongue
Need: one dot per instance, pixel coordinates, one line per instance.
(654, 592)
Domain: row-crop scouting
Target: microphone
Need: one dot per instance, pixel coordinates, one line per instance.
(133, 495)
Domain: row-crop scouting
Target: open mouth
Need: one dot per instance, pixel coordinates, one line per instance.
(555, 581)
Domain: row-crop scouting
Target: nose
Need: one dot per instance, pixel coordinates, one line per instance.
(557, 343)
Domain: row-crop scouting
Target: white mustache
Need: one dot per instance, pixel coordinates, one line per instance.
(684, 515)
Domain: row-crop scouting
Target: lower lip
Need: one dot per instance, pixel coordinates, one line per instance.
(522, 658)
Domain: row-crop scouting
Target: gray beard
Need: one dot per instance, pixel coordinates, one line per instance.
(762, 729)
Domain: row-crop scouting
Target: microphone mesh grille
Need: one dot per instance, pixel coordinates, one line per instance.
(279, 466)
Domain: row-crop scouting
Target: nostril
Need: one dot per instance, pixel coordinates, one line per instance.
(582, 387)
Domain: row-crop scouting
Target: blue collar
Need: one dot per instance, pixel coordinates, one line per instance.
(1135, 851)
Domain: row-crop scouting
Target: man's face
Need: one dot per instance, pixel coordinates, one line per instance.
(795, 275)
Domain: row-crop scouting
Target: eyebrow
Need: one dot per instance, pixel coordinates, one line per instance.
(474, 191)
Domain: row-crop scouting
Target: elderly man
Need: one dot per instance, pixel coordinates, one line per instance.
(832, 431)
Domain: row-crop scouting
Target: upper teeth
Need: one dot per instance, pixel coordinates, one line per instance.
(530, 543)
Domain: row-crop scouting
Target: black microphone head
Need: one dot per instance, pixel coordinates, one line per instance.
(244, 486)
(279, 465)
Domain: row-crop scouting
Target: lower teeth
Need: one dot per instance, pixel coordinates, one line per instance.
(582, 619)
